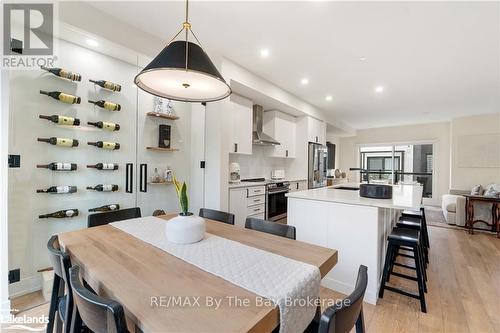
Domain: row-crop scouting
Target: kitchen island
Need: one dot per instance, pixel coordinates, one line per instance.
(357, 227)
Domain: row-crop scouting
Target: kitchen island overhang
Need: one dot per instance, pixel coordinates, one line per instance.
(357, 227)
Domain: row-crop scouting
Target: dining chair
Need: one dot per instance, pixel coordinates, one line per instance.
(217, 215)
(98, 219)
(61, 303)
(97, 313)
(270, 227)
(343, 316)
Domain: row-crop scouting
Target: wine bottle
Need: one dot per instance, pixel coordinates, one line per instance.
(63, 73)
(104, 188)
(104, 166)
(60, 96)
(58, 166)
(107, 105)
(105, 145)
(61, 120)
(58, 190)
(60, 214)
(60, 141)
(105, 208)
(108, 85)
(105, 125)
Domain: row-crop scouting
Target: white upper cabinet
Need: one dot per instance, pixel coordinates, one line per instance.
(240, 113)
(316, 131)
(281, 127)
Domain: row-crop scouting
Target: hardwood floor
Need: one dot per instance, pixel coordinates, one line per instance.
(463, 295)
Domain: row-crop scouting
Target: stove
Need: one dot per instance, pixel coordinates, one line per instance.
(254, 180)
(276, 200)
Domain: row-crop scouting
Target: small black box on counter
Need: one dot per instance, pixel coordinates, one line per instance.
(164, 136)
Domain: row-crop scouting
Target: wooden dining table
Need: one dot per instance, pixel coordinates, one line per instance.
(162, 293)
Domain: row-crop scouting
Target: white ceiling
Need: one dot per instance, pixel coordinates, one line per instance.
(436, 60)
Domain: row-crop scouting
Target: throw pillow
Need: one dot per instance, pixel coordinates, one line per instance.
(476, 190)
(492, 191)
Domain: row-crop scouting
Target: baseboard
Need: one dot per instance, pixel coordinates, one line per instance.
(25, 286)
(346, 288)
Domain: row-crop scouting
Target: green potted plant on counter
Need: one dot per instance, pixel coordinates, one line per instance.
(185, 228)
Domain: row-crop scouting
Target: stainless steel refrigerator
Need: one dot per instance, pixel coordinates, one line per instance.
(318, 159)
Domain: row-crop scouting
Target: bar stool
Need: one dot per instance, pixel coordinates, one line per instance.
(415, 224)
(419, 214)
(409, 239)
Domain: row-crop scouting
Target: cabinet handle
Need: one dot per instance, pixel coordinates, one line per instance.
(256, 191)
(256, 200)
(235, 147)
(287, 153)
(143, 178)
(129, 180)
(256, 209)
(316, 138)
(297, 186)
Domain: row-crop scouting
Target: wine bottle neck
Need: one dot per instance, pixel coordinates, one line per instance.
(43, 92)
(44, 117)
(43, 140)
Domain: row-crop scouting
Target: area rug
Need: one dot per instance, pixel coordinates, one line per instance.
(434, 217)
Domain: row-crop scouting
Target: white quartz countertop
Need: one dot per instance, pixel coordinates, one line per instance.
(265, 182)
(403, 196)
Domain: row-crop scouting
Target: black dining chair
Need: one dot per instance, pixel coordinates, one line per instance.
(217, 215)
(97, 313)
(61, 300)
(342, 317)
(270, 227)
(98, 219)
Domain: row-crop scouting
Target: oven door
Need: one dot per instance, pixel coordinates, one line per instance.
(276, 205)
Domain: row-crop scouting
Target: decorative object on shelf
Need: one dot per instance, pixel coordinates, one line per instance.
(234, 173)
(106, 105)
(63, 73)
(163, 106)
(105, 125)
(168, 175)
(107, 85)
(58, 166)
(58, 190)
(182, 71)
(104, 166)
(164, 136)
(104, 188)
(64, 142)
(105, 208)
(162, 115)
(162, 149)
(158, 212)
(60, 214)
(185, 228)
(156, 177)
(62, 97)
(61, 120)
(105, 145)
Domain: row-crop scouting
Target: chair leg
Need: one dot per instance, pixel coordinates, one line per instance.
(388, 256)
(53, 303)
(394, 255)
(420, 279)
(360, 322)
(76, 322)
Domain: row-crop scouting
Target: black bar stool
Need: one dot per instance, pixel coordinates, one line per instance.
(419, 214)
(409, 239)
(415, 224)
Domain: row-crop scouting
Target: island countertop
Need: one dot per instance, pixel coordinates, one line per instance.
(403, 196)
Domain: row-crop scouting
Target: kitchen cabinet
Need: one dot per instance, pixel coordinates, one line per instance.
(316, 131)
(281, 127)
(298, 185)
(247, 201)
(241, 118)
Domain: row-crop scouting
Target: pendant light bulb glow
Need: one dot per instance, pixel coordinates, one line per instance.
(182, 71)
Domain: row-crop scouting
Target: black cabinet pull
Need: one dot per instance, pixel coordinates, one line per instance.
(235, 147)
(287, 153)
(129, 180)
(143, 178)
(316, 139)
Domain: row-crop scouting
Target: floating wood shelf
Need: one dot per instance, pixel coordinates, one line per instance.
(161, 183)
(162, 149)
(161, 115)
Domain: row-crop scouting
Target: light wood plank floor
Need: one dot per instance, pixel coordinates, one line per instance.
(463, 283)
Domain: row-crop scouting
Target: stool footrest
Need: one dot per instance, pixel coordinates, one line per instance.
(403, 265)
(406, 255)
(404, 276)
(402, 292)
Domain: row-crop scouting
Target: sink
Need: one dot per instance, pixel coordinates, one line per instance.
(346, 188)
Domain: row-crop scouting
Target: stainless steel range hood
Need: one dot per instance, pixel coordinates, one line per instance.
(259, 137)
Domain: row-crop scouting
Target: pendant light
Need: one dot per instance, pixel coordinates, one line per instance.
(182, 71)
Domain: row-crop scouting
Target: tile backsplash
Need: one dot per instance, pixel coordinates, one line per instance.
(259, 164)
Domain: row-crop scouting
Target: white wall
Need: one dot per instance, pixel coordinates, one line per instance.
(437, 133)
(463, 178)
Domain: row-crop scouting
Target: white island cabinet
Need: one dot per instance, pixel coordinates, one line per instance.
(357, 227)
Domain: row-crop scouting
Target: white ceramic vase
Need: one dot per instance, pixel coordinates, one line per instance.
(185, 229)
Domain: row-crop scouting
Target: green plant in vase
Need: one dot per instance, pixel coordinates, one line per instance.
(183, 197)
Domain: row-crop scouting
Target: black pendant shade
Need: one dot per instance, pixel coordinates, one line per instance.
(170, 76)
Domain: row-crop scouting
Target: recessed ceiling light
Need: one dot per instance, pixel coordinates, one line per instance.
(264, 53)
(92, 42)
(328, 98)
(362, 58)
(379, 89)
(304, 81)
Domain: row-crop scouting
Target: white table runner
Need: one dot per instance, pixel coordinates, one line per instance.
(266, 274)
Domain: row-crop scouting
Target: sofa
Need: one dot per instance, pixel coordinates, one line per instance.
(453, 205)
